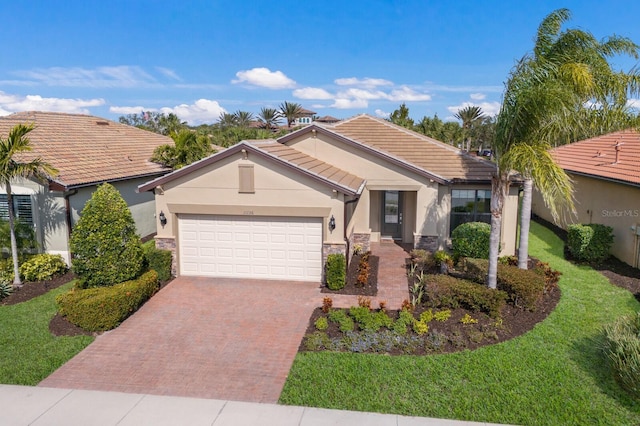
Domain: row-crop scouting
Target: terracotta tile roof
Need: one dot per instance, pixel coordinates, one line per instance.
(87, 149)
(614, 156)
(328, 119)
(306, 112)
(310, 164)
(430, 155)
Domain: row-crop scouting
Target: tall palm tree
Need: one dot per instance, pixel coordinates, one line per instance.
(11, 168)
(269, 117)
(549, 96)
(226, 120)
(243, 118)
(469, 115)
(290, 111)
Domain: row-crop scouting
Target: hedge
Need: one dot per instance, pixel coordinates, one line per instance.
(445, 291)
(104, 308)
(336, 271)
(471, 240)
(590, 243)
(524, 286)
(158, 260)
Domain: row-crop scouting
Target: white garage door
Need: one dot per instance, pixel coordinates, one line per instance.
(251, 247)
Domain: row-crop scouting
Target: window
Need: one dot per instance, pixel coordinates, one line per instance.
(470, 205)
(21, 208)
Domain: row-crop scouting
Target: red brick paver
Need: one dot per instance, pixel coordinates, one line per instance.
(217, 338)
(201, 337)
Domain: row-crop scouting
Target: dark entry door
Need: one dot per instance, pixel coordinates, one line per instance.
(391, 214)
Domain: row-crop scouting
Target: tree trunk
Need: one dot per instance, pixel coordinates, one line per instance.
(525, 222)
(499, 187)
(14, 244)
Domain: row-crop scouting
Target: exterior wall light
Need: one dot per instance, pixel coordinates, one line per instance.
(332, 223)
(163, 218)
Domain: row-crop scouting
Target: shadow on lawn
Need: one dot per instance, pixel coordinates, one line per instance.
(588, 355)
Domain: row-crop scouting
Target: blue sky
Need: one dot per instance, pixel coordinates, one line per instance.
(340, 58)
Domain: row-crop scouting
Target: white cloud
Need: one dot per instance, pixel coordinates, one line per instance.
(362, 94)
(380, 113)
(489, 108)
(201, 111)
(169, 73)
(129, 110)
(405, 93)
(342, 103)
(118, 76)
(312, 93)
(264, 77)
(365, 82)
(477, 96)
(14, 103)
(633, 103)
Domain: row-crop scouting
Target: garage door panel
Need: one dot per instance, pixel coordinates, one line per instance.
(251, 247)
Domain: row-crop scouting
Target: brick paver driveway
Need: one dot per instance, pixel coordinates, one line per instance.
(201, 337)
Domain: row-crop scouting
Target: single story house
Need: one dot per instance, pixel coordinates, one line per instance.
(606, 175)
(87, 151)
(276, 208)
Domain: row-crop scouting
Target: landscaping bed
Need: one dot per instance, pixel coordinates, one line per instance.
(34, 289)
(352, 287)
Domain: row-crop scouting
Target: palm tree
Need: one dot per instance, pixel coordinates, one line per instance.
(469, 115)
(12, 168)
(549, 97)
(243, 118)
(269, 117)
(290, 111)
(226, 120)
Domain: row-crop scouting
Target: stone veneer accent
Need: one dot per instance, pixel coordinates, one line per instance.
(363, 240)
(169, 244)
(425, 242)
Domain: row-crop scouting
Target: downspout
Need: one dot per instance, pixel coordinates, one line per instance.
(346, 239)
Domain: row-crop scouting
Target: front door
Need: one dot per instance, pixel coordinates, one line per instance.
(391, 214)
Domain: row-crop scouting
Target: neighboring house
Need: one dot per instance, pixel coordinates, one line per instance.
(304, 117)
(606, 174)
(328, 119)
(87, 151)
(277, 208)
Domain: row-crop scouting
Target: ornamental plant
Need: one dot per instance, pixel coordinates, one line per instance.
(471, 240)
(105, 247)
(591, 242)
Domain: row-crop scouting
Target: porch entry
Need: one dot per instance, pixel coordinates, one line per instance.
(391, 215)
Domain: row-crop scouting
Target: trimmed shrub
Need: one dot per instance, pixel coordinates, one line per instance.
(104, 244)
(43, 267)
(336, 271)
(622, 349)
(524, 286)
(445, 291)
(158, 260)
(104, 308)
(471, 240)
(590, 243)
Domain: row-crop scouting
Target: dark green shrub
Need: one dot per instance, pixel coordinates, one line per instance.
(336, 271)
(471, 240)
(524, 286)
(104, 244)
(590, 243)
(622, 349)
(104, 308)
(445, 291)
(43, 267)
(158, 260)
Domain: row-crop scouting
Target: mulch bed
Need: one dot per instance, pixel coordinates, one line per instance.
(515, 322)
(34, 289)
(351, 287)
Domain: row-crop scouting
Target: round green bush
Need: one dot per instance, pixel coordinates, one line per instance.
(471, 240)
(105, 247)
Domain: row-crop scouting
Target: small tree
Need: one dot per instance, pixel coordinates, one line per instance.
(105, 247)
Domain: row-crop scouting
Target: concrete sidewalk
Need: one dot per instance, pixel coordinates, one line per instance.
(23, 405)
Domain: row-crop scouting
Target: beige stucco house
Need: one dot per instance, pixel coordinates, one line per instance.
(87, 151)
(276, 208)
(606, 175)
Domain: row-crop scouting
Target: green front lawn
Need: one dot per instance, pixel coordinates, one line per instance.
(552, 375)
(28, 351)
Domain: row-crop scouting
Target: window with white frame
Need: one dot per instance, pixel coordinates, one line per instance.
(22, 208)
